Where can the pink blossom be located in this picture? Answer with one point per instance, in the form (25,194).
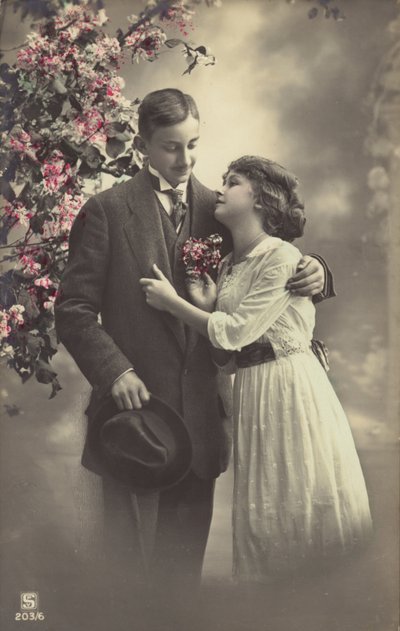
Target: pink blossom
(68,209)
(201,255)
(16,316)
(180,15)
(49,304)
(5,329)
(18,211)
(6,350)
(114,89)
(50,63)
(97,83)
(146,41)
(107,49)
(81,18)
(29,264)
(63,216)
(89,124)
(21,142)
(56,172)
(43,56)
(44,281)
(40,56)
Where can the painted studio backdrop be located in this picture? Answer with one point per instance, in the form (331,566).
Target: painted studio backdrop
(317,91)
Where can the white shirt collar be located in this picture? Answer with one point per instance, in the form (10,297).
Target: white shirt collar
(166,186)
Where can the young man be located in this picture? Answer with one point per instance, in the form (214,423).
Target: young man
(115,240)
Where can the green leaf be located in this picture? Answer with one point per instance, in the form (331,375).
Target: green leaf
(31,308)
(55,106)
(171,43)
(36,223)
(6,190)
(112,129)
(86,171)
(55,387)
(114,147)
(121,163)
(125,136)
(53,339)
(93,157)
(43,372)
(5,227)
(32,110)
(70,149)
(75,103)
(8,74)
(24,194)
(89,37)
(7,293)
(25,375)
(34,344)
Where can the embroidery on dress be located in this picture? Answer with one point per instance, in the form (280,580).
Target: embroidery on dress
(283,340)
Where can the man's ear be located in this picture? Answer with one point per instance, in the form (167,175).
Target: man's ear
(140,145)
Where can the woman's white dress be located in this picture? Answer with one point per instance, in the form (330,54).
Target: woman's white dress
(299,491)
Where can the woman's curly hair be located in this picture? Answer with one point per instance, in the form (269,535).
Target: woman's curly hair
(276,198)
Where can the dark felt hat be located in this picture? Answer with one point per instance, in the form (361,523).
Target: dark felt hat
(148,449)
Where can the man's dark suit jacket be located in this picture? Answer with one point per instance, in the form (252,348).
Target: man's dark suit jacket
(116,238)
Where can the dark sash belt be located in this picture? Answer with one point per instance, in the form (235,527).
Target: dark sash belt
(254,354)
(260,353)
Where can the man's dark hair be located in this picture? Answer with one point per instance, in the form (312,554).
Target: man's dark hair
(162,108)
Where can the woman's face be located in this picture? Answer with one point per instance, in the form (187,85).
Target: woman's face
(236,199)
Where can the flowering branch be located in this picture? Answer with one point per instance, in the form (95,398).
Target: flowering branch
(64,122)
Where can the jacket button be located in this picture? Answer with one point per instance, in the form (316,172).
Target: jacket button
(185,371)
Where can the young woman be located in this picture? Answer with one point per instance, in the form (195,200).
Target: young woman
(299,491)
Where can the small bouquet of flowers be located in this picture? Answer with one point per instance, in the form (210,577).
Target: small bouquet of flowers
(199,256)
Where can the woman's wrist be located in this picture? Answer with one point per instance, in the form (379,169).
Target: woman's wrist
(189,314)
(175,305)
(210,308)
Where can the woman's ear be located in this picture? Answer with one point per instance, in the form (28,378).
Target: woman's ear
(140,145)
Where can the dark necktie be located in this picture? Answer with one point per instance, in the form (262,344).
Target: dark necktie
(178,206)
(175,194)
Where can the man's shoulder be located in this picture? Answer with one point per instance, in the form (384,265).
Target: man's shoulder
(116,191)
(202,199)
(118,195)
(199,187)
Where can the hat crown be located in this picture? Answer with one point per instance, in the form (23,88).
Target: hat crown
(142,438)
(147,449)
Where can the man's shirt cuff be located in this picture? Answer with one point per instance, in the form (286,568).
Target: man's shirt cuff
(122,374)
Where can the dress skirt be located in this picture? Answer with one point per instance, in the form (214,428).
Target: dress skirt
(299,491)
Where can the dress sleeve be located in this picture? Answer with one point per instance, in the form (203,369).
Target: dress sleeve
(265,302)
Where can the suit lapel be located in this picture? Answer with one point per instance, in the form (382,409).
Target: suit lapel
(145,234)
(202,202)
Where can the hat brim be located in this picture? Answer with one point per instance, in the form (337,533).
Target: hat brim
(146,481)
